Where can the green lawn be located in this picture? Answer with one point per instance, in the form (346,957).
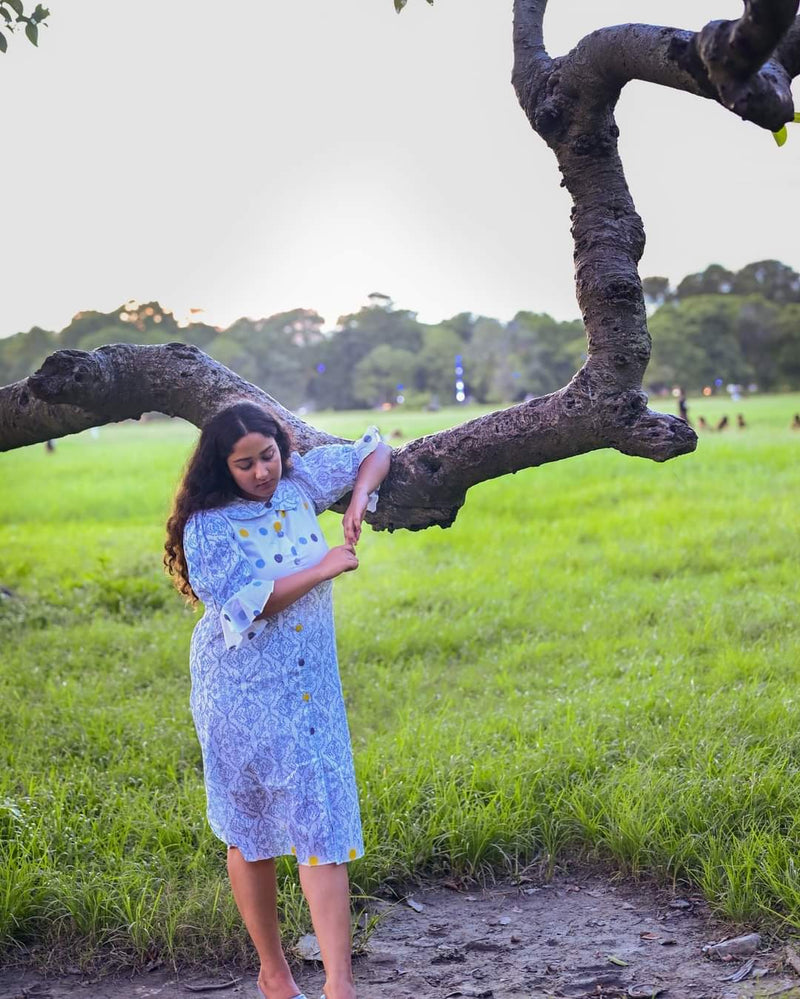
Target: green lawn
(599,658)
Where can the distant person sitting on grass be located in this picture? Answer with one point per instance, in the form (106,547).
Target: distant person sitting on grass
(795,424)
(266,696)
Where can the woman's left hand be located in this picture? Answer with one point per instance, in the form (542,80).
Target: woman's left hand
(354,516)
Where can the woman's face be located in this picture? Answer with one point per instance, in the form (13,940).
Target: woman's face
(255,464)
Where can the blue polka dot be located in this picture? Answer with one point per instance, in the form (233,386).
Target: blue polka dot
(314,537)
(294,550)
(226,617)
(280,534)
(303,541)
(279,558)
(263,530)
(297,561)
(251,634)
(260,563)
(367,438)
(256,582)
(269,507)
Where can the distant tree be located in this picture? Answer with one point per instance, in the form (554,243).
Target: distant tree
(378,377)
(545,352)
(358,334)
(714,280)
(435,363)
(656,290)
(756,329)
(787,347)
(770,278)
(25,352)
(697,341)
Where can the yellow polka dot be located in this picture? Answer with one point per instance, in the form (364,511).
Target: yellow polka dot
(294,851)
(352,854)
(278,525)
(244,533)
(283,513)
(306,697)
(298,627)
(313,861)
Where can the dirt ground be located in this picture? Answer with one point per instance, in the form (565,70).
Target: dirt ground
(579,935)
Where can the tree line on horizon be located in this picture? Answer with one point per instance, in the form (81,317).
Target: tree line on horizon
(742,327)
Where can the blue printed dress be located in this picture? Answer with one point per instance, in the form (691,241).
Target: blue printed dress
(266,696)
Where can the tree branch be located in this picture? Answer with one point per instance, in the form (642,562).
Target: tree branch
(570,103)
(429,477)
(788,50)
(530,55)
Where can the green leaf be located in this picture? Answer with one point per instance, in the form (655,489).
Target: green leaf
(16,6)
(399,4)
(3,42)
(780,136)
(40,14)
(5,14)
(797,117)
(32,32)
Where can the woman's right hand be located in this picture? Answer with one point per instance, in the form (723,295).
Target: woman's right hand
(337,560)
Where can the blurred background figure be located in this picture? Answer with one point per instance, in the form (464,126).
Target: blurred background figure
(701,423)
(683,408)
(740,421)
(49,446)
(795,424)
(723,423)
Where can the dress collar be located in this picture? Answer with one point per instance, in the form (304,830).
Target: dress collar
(284,498)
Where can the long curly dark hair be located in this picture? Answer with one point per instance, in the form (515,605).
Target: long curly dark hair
(207,481)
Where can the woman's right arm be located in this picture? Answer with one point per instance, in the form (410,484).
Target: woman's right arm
(290,588)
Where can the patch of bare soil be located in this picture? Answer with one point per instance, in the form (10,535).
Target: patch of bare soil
(576,936)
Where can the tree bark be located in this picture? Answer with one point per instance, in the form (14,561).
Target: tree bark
(746,66)
(429,477)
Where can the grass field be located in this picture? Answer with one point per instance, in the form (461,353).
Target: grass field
(599,658)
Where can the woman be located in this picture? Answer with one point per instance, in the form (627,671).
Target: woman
(266,697)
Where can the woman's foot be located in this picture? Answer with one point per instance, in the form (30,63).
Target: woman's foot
(278,987)
(343,989)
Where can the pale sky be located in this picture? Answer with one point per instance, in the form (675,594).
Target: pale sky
(251,156)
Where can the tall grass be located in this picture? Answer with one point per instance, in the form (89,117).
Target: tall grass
(599,658)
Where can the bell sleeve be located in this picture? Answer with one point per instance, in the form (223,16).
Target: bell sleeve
(220,573)
(328,472)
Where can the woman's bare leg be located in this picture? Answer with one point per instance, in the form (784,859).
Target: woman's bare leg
(255,890)
(327,892)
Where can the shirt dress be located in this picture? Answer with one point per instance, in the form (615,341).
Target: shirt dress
(266,695)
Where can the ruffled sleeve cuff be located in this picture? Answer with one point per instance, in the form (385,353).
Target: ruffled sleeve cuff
(238,614)
(363,448)
(328,472)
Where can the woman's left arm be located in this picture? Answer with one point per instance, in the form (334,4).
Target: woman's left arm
(372,471)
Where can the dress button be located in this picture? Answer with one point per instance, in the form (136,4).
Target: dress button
(301,662)
(312,730)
